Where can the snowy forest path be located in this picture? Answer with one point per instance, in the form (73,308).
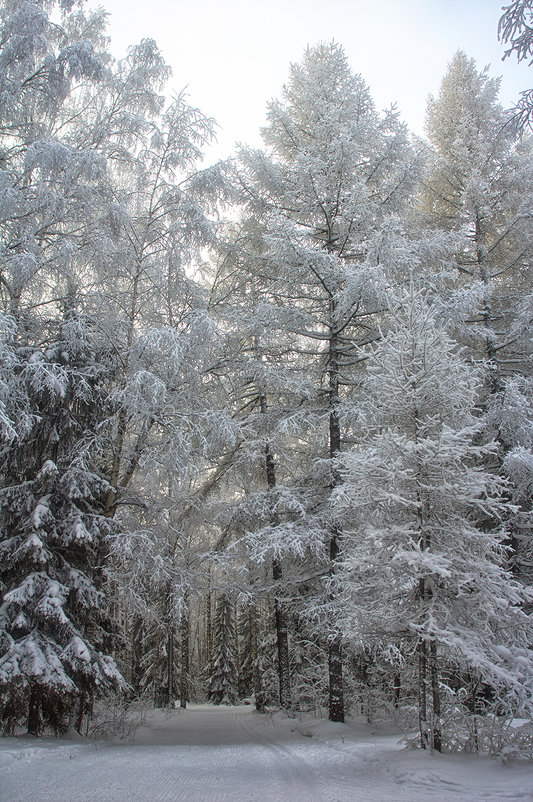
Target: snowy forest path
(233,754)
(298,772)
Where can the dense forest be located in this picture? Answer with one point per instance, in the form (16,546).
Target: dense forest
(266,425)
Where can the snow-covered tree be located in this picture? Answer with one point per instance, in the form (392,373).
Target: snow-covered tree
(103,208)
(479,186)
(223,680)
(54,635)
(423,574)
(333,171)
(54,629)
(151,309)
(266,393)
(53,190)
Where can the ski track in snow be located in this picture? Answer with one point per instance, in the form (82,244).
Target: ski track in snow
(233,754)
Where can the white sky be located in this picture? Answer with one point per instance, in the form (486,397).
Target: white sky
(234,55)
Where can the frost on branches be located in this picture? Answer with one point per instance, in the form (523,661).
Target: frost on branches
(479,185)
(423,581)
(333,171)
(515,29)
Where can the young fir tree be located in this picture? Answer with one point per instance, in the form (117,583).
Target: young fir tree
(223,680)
(423,563)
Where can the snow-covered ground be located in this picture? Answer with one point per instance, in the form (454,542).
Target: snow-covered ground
(211,753)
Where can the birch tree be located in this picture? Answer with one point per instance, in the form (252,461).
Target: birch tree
(106,335)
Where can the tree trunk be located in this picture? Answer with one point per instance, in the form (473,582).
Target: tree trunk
(487,313)
(282,636)
(170,666)
(397,689)
(282,629)
(184,676)
(138,636)
(209,619)
(170,678)
(80,712)
(336,683)
(436,726)
(423,725)
(256,677)
(34,712)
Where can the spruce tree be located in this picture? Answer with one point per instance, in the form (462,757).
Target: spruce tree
(223,680)
(55,632)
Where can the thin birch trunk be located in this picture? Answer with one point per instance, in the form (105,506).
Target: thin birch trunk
(170,650)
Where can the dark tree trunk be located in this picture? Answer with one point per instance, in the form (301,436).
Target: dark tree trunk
(80,714)
(171,669)
(336,683)
(209,620)
(496,384)
(170,666)
(397,689)
(34,712)
(282,635)
(423,725)
(282,629)
(138,637)
(436,728)
(184,675)
(256,676)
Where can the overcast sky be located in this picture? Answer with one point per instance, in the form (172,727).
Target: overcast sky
(234,55)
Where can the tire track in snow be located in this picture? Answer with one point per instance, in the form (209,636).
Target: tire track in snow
(299,775)
(234,755)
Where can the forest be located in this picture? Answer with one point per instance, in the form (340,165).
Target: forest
(266,425)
